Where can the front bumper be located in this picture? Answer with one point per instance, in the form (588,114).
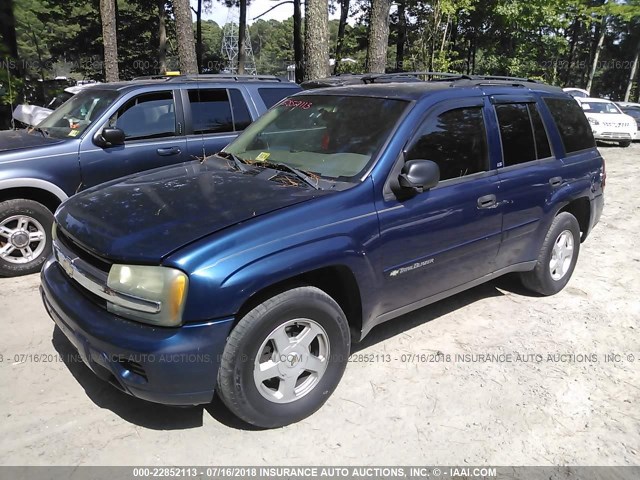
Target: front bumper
(173,366)
(615,135)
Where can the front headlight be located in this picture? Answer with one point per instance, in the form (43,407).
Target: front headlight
(593,121)
(154,295)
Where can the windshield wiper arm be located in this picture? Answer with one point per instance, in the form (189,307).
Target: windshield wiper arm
(298,173)
(40,130)
(237,161)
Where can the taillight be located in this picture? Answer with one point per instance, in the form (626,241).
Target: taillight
(603,175)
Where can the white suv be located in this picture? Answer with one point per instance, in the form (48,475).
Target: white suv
(608,122)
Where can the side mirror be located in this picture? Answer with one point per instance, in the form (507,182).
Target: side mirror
(418,176)
(109,137)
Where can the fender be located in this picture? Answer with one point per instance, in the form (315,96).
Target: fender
(560,199)
(34,183)
(240,285)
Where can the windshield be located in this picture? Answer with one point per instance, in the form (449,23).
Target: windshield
(600,107)
(74,116)
(330,136)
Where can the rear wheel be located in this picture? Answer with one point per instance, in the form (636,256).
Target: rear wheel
(624,144)
(557,258)
(25,237)
(284,358)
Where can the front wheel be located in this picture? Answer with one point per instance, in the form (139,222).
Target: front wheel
(624,144)
(557,258)
(284,358)
(25,237)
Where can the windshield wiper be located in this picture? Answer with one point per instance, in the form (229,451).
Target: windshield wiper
(42,131)
(237,161)
(298,173)
(242,166)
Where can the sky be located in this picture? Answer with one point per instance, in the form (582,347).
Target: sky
(256,7)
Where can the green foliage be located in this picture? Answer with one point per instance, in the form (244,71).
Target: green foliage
(551,40)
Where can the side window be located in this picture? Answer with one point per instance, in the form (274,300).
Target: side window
(522,133)
(152,115)
(210,111)
(456,140)
(518,145)
(271,96)
(241,116)
(572,124)
(542,141)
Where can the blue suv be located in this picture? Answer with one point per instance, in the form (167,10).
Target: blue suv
(251,273)
(113,130)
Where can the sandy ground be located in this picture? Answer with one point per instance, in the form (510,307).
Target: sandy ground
(553,398)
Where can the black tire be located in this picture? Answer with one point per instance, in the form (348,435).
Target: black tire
(540,279)
(236,385)
(625,144)
(43,216)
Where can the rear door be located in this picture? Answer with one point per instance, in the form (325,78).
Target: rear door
(528,172)
(449,235)
(152,123)
(214,117)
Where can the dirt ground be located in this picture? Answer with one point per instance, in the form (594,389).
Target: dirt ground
(564,388)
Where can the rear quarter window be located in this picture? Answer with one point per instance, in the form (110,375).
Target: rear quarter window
(572,124)
(271,96)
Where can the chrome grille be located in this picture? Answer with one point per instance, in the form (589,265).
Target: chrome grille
(94,280)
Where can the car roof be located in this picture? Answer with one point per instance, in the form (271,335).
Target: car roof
(628,104)
(411,91)
(575,89)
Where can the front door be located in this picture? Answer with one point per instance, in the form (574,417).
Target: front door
(153,138)
(449,235)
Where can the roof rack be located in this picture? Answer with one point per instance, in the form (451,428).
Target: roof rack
(450,76)
(428,76)
(213,76)
(504,78)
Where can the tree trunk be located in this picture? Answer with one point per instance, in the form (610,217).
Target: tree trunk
(109,39)
(242,34)
(474,51)
(316,39)
(378,36)
(162,38)
(40,60)
(199,36)
(632,74)
(638,88)
(298,42)
(596,54)
(8,28)
(402,35)
(184,32)
(344,13)
(445,33)
(575,30)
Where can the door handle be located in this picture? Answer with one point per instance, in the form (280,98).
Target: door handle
(555,181)
(168,151)
(488,201)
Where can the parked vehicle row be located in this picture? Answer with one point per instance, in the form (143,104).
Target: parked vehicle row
(251,272)
(108,131)
(609,121)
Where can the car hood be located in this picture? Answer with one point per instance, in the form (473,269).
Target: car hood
(20,139)
(143,218)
